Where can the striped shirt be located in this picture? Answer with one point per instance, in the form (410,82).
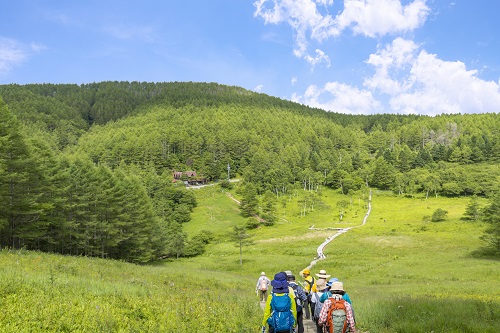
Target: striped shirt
(326,306)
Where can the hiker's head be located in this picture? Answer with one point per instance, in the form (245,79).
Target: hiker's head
(322,274)
(321,284)
(332,280)
(337,288)
(279,283)
(291,278)
(262,274)
(306,272)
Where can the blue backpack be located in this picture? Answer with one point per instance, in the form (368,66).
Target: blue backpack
(281,318)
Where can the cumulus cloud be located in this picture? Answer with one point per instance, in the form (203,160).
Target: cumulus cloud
(13,53)
(374,18)
(339,97)
(258,88)
(310,18)
(421,83)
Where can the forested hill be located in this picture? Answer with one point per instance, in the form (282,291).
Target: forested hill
(74,108)
(87,169)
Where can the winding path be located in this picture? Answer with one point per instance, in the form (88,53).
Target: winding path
(340,231)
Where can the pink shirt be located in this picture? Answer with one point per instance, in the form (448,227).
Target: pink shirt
(324,312)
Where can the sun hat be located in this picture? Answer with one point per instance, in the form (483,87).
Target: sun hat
(279,283)
(262,274)
(288,273)
(322,274)
(337,286)
(306,271)
(321,284)
(332,280)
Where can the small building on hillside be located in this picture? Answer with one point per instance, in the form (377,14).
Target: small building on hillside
(189,177)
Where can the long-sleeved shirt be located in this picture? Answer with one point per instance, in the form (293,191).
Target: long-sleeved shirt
(265,278)
(323,316)
(268,310)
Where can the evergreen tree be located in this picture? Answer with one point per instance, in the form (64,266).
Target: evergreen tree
(20,186)
(491,215)
(472,210)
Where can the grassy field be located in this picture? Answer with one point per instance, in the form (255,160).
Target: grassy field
(402,273)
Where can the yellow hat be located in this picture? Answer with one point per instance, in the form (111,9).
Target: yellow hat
(306,271)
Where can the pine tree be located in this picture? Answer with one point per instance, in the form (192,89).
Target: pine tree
(491,215)
(20,192)
(472,210)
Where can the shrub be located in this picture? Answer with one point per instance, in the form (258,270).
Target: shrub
(439,215)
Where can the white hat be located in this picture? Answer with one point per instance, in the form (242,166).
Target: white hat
(262,274)
(322,274)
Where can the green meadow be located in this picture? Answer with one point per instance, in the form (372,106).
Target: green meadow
(402,272)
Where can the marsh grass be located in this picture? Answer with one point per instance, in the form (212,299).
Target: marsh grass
(403,274)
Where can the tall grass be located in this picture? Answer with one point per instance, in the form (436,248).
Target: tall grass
(402,273)
(49,293)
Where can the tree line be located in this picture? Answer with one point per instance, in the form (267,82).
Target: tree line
(87,169)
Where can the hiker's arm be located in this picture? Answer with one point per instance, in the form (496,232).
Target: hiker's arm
(324,312)
(350,317)
(294,309)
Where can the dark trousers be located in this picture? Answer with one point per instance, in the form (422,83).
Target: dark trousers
(271,330)
(306,308)
(300,322)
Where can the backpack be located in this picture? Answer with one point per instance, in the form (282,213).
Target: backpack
(298,302)
(318,305)
(263,285)
(281,318)
(337,316)
(310,283)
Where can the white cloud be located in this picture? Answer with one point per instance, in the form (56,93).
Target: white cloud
(258,88)
(13,53)
(374,18)
(421,83)
(294,80)
(339,97)
(367,17)
(319,58)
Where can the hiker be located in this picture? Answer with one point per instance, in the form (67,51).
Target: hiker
(262,286)
(280,312)
(300,300)
(318,305)
(308,283)
(336,314)
(320,276)
(328,294)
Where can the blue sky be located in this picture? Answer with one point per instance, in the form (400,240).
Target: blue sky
(353,56)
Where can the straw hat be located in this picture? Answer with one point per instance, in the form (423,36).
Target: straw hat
(262,274)
(337,286)
(322,274)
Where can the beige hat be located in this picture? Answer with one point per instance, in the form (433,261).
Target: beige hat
(337,286)
(322,274)
(262,274)
(321,284)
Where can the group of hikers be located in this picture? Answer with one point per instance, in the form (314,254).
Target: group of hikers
(288,303)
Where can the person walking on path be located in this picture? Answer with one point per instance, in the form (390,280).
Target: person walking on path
(308,284)
(315,299)
(345,296)
(300,300)
(280,312)
(336,314)
(262,286)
